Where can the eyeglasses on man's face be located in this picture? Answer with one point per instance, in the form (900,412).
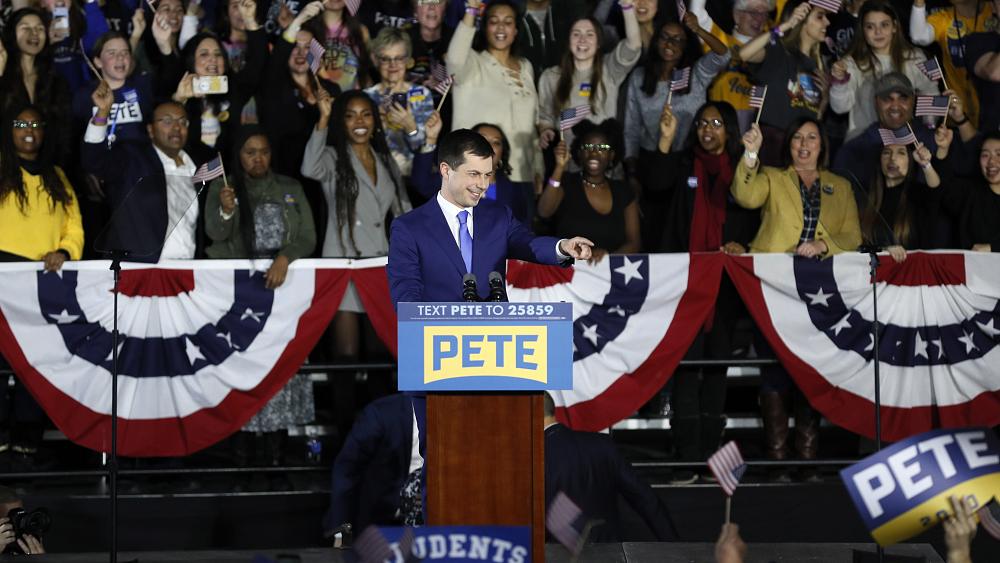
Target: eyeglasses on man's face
(170,121)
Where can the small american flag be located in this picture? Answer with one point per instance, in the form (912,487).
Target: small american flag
(931,105)
(559,519)
(757,95)
(728,467)
(989,517)
(209,171)
(832,6)
(352,6)
(680,79)
(442,86)
(931,69)
(372,547)
(681,9)
(439,71)
(406,545)
(315,56)
(901,136)
(571,116)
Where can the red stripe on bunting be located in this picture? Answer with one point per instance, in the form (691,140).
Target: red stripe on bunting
(155,282)
(373,288)
(527,275)
(922,268)
(172,437)
(632,390)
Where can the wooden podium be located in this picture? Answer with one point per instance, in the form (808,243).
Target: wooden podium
(483,367)
(485,462)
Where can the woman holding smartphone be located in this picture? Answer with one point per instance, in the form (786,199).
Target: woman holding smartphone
(215,96)
(405,107)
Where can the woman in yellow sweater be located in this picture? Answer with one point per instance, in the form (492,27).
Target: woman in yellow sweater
(39,214)
(39,220)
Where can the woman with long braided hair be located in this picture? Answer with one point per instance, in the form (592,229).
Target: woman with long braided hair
(348,154)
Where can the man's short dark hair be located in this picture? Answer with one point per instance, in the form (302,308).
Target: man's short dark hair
(549,408)
(455,145)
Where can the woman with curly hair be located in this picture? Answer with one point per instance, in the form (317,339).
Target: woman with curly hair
(590,202)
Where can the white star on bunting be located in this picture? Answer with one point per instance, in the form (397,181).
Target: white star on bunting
(819,298)
(921,346)
(64,317)
(250,313)
(988,328)
(192,351)
(841,325)
(630,270)
(967,340)
(590,333)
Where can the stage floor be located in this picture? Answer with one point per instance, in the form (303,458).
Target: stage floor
(634,552)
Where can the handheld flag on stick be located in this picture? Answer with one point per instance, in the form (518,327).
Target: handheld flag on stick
(932,70)
(901,136)
(679,80)
(936,106)
(571,116)
(443,87)
(316,53)
(210,171)
(757,95)
(353,6)
(559,519)
(728,467)
(832,6)
(371,546)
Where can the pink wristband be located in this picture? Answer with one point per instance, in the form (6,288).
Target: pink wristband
(627,7)
(99,120)
(471,10)
(554,183)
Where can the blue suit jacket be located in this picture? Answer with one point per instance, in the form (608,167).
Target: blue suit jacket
(371,467)
(425,263)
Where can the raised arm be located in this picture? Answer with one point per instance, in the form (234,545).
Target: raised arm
(313,163)
(459,57)
(750,189)
(921,32)
(753,51)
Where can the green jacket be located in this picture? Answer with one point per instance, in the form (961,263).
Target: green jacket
(300,231)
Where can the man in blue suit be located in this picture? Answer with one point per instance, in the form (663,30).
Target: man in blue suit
(459,231)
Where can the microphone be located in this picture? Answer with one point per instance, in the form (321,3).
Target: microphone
(469,291)
(498,292)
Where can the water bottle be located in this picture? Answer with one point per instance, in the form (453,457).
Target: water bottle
(314,449)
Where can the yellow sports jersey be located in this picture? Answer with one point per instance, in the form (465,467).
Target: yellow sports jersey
(950,31)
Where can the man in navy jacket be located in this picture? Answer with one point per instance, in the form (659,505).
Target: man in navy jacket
(587,468)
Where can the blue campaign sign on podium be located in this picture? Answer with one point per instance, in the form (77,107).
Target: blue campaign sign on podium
(485,346)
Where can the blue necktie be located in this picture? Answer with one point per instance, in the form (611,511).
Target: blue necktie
(465,239)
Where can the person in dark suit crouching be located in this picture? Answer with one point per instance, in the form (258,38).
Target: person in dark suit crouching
(587,468)
(375,475)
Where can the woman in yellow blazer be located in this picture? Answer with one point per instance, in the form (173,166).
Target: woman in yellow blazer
(805,209)
(811,212)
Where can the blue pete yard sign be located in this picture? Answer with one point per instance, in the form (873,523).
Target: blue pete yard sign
(485,346)
(903,490)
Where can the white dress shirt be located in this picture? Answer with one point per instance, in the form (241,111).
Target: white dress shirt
(451,211)
(182,208)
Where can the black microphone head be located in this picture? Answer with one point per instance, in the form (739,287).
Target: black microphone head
(469,278)
(496,279)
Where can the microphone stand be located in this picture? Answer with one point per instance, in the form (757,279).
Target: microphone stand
(116,269)
(872,251)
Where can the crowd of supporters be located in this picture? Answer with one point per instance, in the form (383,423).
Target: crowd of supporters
(644,126)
